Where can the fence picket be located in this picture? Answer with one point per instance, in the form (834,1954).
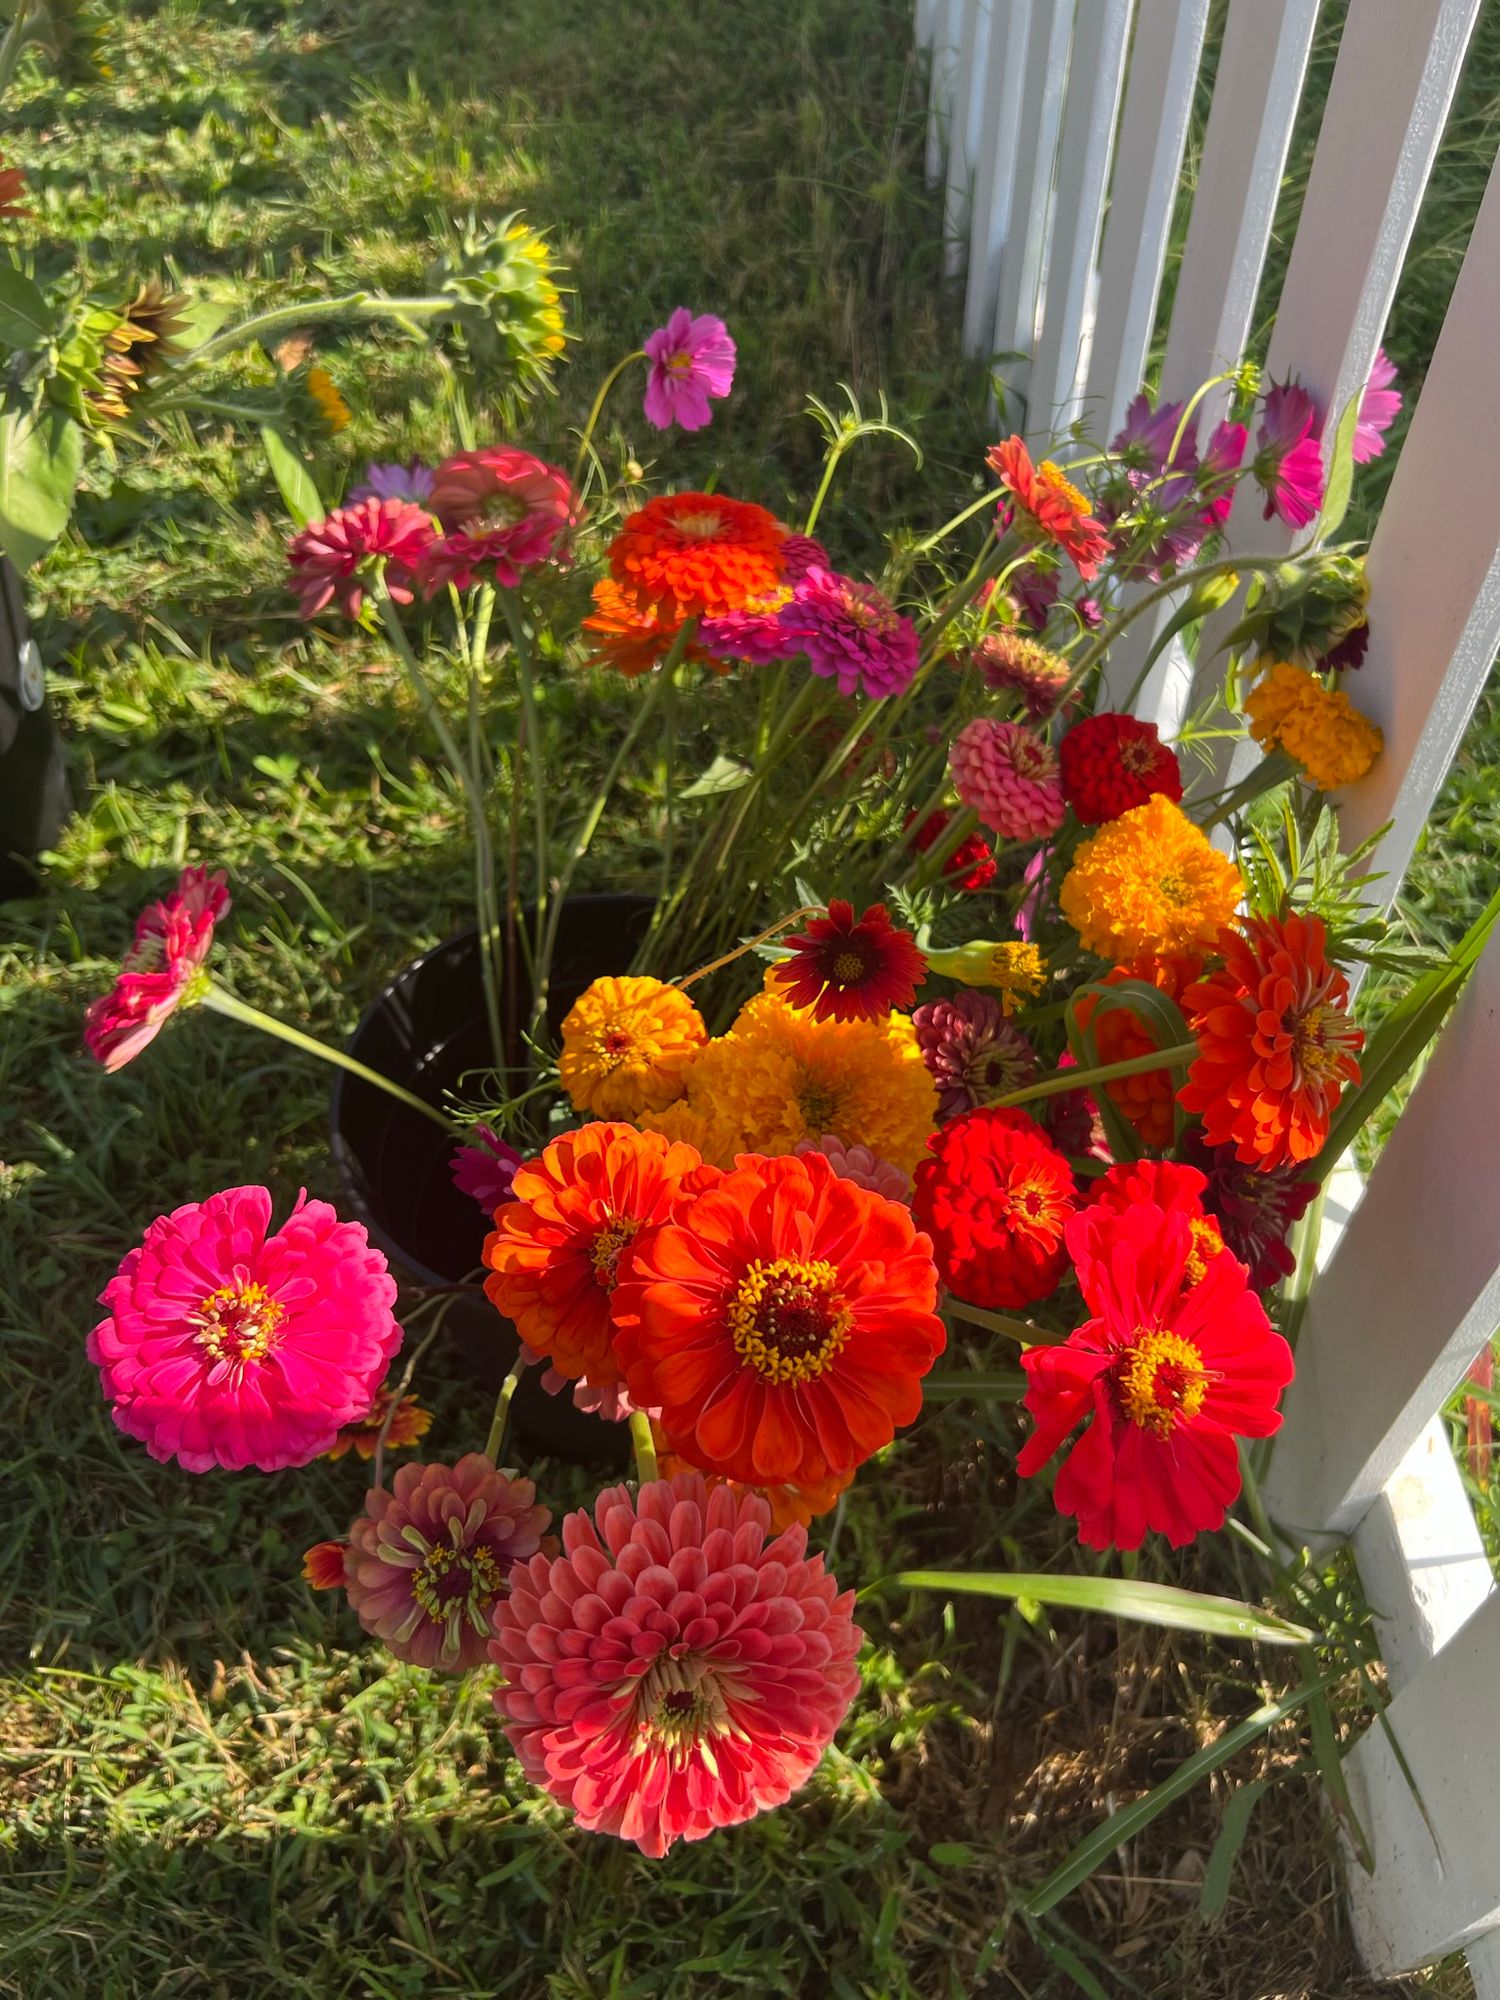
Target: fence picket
(963,142)
(947,22)
(994,174)
(1036,151)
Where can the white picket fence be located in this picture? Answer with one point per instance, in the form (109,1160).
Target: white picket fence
(1058,130)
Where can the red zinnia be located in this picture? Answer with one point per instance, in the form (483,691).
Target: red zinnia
(333,561)
(1275,1042)
(158,974)
(502,510)
(971,865)
(995,1197)
(781,1322)
(1047,507)
(1176,1363)
(848,971)
(693,555)
(1113,762)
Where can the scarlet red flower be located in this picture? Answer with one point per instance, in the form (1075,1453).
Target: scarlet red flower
(502,510)
(12,186)
(782,1322)
(627,634)
(157,975)
(1113,762)
(687,555)
(1176,1190)
(334,561)
(848,971)
(971,865)
(995,1197)
(1173,1366)
(1275,1042)
(323,1565)
(1046,507)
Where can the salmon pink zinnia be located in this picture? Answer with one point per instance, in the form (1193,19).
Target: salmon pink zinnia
(502,511)
(172,941)
(692,358)
(334,561)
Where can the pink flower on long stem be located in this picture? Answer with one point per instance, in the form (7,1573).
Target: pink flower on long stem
(1378,409)
(502,511)
(1288,462)
(334,561)
(674,1670)
(229,1344)
(172,941)
(692,358)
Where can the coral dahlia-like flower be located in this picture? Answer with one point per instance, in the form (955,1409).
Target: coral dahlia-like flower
(1276,1045)
(502,511)
(1149,884)
(1288,462)
(1045,507)
(1169,1370)
(1112,762)
(555,1253)
(843,970)
(1319,727)
(485,1168)
(973,1053)
(995,1196)
(674,1670)
(629,636)
(429,1559)
(1009,777)
(160,971)
(971,865)
(228,1343)
(852,634)
(1010,661)
(333,561)
(626,1045)
(692,358)
(696,555)
(860,1165)
(409,1423)
(1379,407)
(389,481)
(782,1322)
(1254,1206)
(1147,1101)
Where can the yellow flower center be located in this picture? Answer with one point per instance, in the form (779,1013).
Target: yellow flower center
(848,968)
(237,1322)
(608,1246)
(452,1585)
(1161,1381)
(1051,476)
(1319,1037)
(1137,756)
(679,1704)
(680,364)
(1206,1245)
(788,1319)
(700,527)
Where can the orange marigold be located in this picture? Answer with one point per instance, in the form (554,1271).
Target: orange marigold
(1275,1042)
(1046,507)
(1149,884)
(626,1045)
(1148,1101)
(1317,726)
(688,555)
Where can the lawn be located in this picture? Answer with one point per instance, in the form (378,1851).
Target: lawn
(211,1786)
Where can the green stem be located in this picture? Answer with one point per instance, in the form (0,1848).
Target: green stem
(501,1415)
(941,534)
(10,48)
(1082,1079)
(541,971)
(993,1322)
(638,354)
(645,1446)
(1184,579)
(836,451)
(283,319)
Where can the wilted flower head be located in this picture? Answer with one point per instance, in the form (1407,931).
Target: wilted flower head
(692,358)
(157,974)
(1009,660)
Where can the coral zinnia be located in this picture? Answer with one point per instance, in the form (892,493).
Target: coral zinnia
(1172,1366)
(971,864)
(1149,884)
(1254,1206)
(691,359)
(1146,1101)
(1113,762)
(972,1051)
(1046,507)
(848,971)
(409,1422)
(427,1561)
(626,1045)
(852,634)
(782,1322)
(1275,1042)
(555,1251)
(694,555)
(1010,661)
(674,1670)
(1317,726)
(159,972)
(502,511)
(1009,777)
(333,561)
(228,1345)
(994,1196)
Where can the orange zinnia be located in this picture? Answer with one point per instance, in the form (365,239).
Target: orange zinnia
(1045,507)
(556,1248)
(791,1506)
(782,1323)
(693,555)
(625,633)
(1275,1042)
(1147,1101)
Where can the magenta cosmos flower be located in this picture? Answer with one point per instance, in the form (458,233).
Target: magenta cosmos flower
(1009,777)
(674,1670)
(502,511)
(851,634)
(392,481)
(334,561)
(1221,461)
(1378,409)
(427,1562)
(1288,462)
(228,1344)
(171,945)
(692,358)
(485,1167)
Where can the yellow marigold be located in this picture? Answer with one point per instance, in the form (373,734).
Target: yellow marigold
(1148,884)
(1318,726)
(626,1045)
(1016,970)
(324,392)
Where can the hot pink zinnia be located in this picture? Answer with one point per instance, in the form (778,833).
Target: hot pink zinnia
(1288,462)
(1009,777)
(335,559)
(799,554)
(172,942)
(427,1562)
(1378,409)
(674,1670)
(860,1165)
(502,511)
(851,634)
(692,358)
(228,1346)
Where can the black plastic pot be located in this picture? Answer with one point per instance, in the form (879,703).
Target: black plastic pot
(424,1032)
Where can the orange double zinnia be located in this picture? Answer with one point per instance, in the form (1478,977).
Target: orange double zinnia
(693,555)
(1045,506)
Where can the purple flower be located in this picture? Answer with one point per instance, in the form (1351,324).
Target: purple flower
(1254,1207)
(1378,409)
(1288,462)
(691,360)
(972,1053)
(851,634)
(1033,591)
(1350,651)
(412,481)
(1222,458)
(485,1168)
(1144,445)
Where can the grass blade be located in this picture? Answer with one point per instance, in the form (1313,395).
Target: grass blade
(1147,1603)
(1216,1876)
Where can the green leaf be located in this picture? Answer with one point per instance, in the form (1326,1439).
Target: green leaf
(951,1854)
(289,469)
(1148,1603)
(1340,474)
(724,774)
(1216,1876)
(26,319)
(41,457)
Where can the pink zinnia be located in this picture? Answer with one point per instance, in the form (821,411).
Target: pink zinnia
(485,1167)
(1009,777)
(1288,462)
(692,358)
(799,554)
(334,560)
(1378,409)
(674,1670)
(1222,459)
(860,1165)
(229,1346)
(851,634)
(502,511)
(172,942)
(755,634)
(427,1562)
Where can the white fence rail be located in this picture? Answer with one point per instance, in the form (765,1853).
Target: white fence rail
(1059,128)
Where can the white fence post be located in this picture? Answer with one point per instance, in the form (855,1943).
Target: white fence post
(1022,269)
(963,148)
(946,26)
(994,174)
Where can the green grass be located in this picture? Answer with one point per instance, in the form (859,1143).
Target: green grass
(210,1785)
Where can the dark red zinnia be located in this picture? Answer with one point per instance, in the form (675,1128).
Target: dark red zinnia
(971,865)
(848,971)
(1111,763)
(1255,1207)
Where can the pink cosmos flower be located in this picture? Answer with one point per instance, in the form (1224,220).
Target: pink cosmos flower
(851,634)
(427,1562)
(860,1165)
(674,1670)
(1288,463)
(333,561)
(691,360)
(391,481)
(1009,777)
(1378,409)
(228,1345)
(1223,457)
(171,945)
(502,511)
(485,1168)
